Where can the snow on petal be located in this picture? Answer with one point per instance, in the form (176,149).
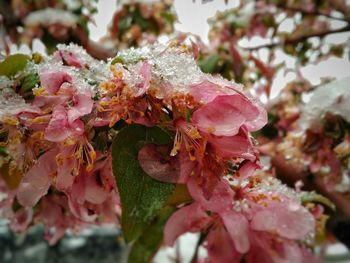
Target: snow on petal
(37,181)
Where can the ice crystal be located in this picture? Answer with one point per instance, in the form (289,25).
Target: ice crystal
(172,66)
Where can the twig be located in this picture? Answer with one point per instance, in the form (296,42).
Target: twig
(199,242)
(315,12)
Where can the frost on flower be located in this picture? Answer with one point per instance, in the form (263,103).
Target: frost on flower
(63,152)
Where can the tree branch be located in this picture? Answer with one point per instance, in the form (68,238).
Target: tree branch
(295,40)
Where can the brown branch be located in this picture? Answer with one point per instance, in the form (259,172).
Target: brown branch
(94,49)
(295,40)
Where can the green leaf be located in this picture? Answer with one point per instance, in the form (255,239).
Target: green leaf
(29,82)
(208,64)
(141,196)
(312,197)
(13,64)
(147,245)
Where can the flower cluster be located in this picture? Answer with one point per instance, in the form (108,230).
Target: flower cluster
(318,137)
(57,154)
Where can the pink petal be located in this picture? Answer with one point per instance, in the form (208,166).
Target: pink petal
(220,199)
(247,170)
(37,181)
(49,100)
(76,200)
(52,80)
(190,218)
(94,193)
(64,179)
(226,114)
(233,146)
(238,229)
(288,218)
(59,128)
(220,247)
(82,105)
